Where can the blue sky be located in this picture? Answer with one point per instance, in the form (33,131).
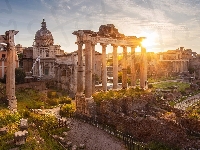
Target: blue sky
(170,23)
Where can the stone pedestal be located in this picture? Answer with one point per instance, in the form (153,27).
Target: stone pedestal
(80,103)
(20,137)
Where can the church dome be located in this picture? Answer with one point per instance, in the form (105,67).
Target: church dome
(43,37)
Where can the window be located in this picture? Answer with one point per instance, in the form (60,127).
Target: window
(47,53)
(3,56)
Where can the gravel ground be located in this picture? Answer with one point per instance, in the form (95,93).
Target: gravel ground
(190,101)
(93,138)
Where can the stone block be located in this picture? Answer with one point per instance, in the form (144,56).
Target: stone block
(20,137)
(65,133)
(3,130)
(82,146)
(74,147)
(23,124)
(69,144)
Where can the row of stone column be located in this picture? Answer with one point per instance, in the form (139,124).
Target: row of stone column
(180,66)
(90,67)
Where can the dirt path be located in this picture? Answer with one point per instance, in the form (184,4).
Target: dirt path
(190,101)
(94,138)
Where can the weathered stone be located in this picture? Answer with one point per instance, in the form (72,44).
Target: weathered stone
(65,133)
(82,146)
(69,144)
(74,147)
(55,136)
(23,124)
(3,130)
(20,137)
(61,139)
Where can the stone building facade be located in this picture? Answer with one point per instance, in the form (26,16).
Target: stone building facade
(45,53)
(174,61)
(46,61)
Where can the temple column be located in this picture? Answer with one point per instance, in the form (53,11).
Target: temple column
(11,79)
(88,69)
(115,67)
(93,68)
(80,69)
(133,73)
(10,76)
(124,69)
(143,69)
(104,69)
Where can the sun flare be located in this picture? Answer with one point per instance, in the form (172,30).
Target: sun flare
(150,40)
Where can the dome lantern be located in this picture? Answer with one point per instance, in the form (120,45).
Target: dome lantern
(43,37)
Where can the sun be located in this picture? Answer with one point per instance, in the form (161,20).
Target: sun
(150,40)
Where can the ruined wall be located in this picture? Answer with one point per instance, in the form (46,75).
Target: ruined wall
(40,85)
(140,117)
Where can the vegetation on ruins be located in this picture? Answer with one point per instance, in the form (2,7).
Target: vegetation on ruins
(41,126)
(19,76)
(110,95)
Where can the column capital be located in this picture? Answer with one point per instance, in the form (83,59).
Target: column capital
(114,45)
(79,43)
(103,44)
(94,43)
(123,46)
(133,46)
(87,41)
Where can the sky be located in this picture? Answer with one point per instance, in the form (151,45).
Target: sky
(168,24)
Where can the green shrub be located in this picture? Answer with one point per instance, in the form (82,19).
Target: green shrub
(66,110)
(52,94)
(53,101)
(65,100)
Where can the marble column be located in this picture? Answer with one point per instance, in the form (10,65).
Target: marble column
(93,68)
(88,69)
(133,72)
(10,79)
(104,69)
(143,69)
(124,68)
(11,65)
(80,69)
(115,67)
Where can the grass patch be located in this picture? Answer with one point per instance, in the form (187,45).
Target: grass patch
(166,85)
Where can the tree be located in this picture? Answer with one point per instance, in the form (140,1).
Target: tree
(19,76)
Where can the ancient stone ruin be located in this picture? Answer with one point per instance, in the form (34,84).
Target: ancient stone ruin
(106,35)
(8,41)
